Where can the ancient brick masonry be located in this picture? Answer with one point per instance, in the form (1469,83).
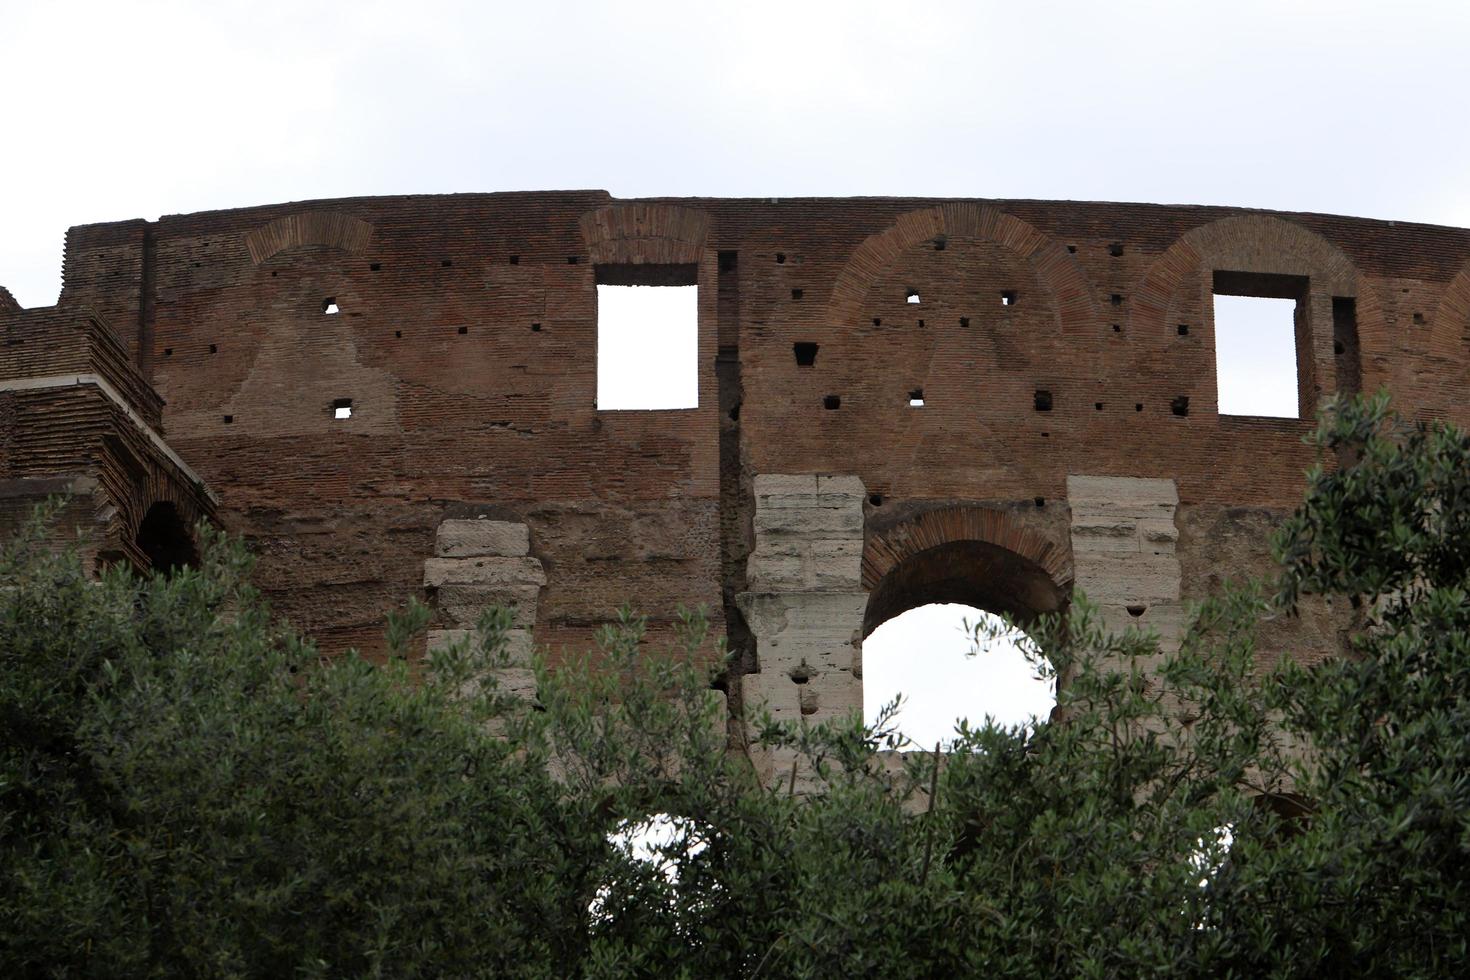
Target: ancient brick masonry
(899,402)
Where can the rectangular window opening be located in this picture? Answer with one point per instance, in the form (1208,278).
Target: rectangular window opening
(647,337)
(916,398)
(1257,320)
(342,408)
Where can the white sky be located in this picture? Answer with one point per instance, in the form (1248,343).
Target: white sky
(647,347)
(122,109)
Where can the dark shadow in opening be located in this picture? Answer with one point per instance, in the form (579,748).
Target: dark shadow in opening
(165,540)
(971,573)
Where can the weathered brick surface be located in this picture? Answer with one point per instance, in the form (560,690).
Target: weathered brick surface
(466,339)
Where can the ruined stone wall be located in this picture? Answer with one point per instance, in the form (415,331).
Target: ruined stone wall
(1063,354)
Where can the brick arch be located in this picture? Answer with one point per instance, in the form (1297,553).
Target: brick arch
(1451,317)
(1242,243)
(977,555)
(330,228)
(1055,266)
(645,233)
(145,484)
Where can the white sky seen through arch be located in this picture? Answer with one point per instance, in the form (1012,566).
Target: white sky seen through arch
(922,654)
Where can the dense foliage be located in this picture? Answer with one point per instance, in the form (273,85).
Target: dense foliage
(187,789)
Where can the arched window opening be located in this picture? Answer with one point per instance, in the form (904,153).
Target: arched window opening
(924,654)
(917,644)
(165,540)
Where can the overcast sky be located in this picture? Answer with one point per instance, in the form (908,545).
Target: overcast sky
(116,110)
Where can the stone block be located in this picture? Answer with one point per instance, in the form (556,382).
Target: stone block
(518,643)
(520,681)
(1168,619)
(1127,579)
(779,484)
(770,613)
(1158,533)
(828,522)
(483,571)
(1093,494)
(775,572)
(845,485)
(773,692)
(462,604)
(835,565)
(782,492)
(830,694)
(480,538)
(1104,533)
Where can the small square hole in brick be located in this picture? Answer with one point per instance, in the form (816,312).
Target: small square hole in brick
(1419,320)
(831,402)
(1116,299)
(168,352)
(398,334)
(796,294)
(1183,329)
(916,398)
(329,306)
(921,323)
(877,321)
(515,260)
(446,263)
(535,328)
(1039,501)
(911,297)
(940,244)
(342,408)
(1008,298)
(571,260)
(806,353)
(780,258)
(876,499)
(214,348)
(964,321)
(1138,406)
(1116,250)
(1041,401)
(1180,406)
(229,420)
(1098,406)
(1072,249)
(1117,328)
(375,267)
(464,330)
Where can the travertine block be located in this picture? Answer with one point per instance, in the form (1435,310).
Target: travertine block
(1118,494)
(831,612)
(775,572)
(835,564)
(462,604)
(826,522)
(518,644)
(1168,619)
(1124,579)
(479,538)
(483,571)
